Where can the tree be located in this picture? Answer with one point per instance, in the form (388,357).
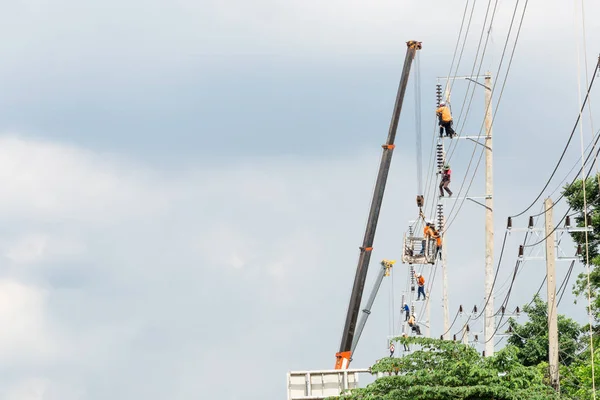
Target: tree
(446,370)
(575,197)
(531,338)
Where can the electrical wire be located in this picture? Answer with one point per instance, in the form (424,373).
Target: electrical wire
(585,221)
(566,146)
(498,103)
(565,281)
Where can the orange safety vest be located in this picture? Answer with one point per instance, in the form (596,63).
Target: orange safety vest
(421,281)
(427,231)
(444,113)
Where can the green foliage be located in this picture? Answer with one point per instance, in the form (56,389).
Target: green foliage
(576,380)
(445,370)
(531,338)
(574,195)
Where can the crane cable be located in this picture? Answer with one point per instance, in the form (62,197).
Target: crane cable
(418,123)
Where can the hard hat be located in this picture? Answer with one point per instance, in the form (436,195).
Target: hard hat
(417,274)
(429,222)
(447,166)
(442,104)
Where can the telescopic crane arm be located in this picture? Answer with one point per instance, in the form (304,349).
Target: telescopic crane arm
(343,357)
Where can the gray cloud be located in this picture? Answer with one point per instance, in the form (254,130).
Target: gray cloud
(190,184)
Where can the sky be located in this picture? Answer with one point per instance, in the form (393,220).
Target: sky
(185,184)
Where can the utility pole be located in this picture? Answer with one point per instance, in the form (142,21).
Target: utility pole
(551,288)
(428,312)
(489,222)
(445,282)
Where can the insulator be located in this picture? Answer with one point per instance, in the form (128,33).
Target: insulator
(520,250)
(510,328)
(568,222)
(460,309)
(474,309)
(476,338)
(454,337)
(483,353)
(468,329)
(530,222)
(441,337)
(502,309)
(518,310)
(578,249)
(509,223)
(438,94)
(440,155)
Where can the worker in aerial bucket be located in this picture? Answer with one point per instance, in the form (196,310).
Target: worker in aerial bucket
(428,233)
(445,181)
(421,284)
(445,119)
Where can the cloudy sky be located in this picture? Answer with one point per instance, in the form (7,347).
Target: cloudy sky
(185,184)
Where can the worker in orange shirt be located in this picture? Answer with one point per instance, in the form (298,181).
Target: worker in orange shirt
(438,240)
(445,119)
(413,324)
(428,233)
(421,284)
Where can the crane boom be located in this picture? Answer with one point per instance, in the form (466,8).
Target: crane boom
(343,357)
(384,271)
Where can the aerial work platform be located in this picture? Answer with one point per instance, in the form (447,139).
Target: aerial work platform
(418,250)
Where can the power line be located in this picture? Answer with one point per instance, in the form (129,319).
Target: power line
(499,100)
(566,146)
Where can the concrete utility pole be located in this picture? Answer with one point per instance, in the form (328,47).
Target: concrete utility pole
(428,312)
(551,288)
(489,222)
(445,282)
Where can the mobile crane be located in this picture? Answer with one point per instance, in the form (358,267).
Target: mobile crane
(344,356)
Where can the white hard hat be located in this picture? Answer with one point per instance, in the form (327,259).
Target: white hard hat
(442,104)
(417,274)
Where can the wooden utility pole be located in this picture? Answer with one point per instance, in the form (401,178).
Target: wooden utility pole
(551,288)
(489,223)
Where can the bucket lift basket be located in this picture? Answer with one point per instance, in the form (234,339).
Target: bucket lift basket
(418,250)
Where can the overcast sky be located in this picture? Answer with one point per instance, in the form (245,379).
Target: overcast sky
(185,184)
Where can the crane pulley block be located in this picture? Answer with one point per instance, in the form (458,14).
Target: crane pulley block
(420,201)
